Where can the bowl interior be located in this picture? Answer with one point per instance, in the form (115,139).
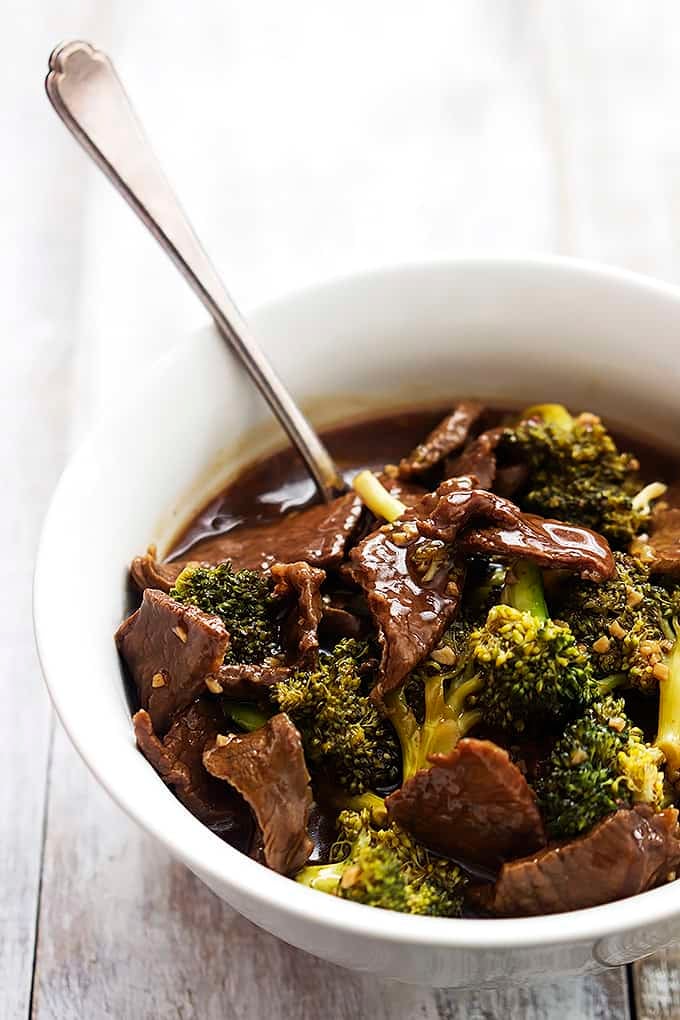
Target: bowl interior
(509,330)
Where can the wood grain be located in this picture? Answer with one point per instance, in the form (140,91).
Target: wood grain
(657,986)
(37,315)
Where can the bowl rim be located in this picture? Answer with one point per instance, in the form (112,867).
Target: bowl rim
(204,852)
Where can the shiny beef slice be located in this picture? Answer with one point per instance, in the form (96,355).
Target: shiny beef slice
(170,649)
(318,535)
(473,804)
(449,435)
(178,759)
(626,853)
(268,769)
(413,590)
(551,545)
(443,515)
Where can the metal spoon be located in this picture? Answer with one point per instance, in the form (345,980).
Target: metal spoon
(85,90)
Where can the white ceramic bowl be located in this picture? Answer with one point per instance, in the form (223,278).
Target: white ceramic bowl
(523,329)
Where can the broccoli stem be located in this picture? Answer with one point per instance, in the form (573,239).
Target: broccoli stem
(246,715)
(524,590)
(446,721)
(323,877)
(376,497)
(668,736)
(367,801)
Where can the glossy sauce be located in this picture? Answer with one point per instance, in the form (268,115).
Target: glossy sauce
(279,483)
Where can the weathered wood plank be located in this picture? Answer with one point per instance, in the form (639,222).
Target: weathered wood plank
(656,982)
(37,316)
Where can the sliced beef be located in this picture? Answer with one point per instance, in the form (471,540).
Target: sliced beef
(170,649)
(474,805)
(146,572)
(318,535)
(478,459)
(337,623)
(268,769)
(660,549)
(448,436)
(549,544)
(248,682)
(626,853)
(443,515)
(178,759)
(413,591)
(511,479)
(300,584)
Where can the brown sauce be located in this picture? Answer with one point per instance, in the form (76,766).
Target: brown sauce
(279,483)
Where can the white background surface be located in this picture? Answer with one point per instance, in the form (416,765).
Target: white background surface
(306,140)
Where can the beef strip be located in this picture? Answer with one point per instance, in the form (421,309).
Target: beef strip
(549,544)
(170,649)
(478,458)
(146,572)
(319,535)
(474,805)
(178,759)
(660,549)
(448,436)
(268,769)
(444,514)
(411,607)
(511,479)
(249,682)
(626,853)
(337,623)
(301,584)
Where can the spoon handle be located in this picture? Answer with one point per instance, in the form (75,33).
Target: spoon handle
(85,91)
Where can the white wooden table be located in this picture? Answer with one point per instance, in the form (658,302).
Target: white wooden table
(307,139)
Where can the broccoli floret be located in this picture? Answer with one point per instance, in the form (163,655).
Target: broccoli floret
(578,475)
(243,599)
(530,669)
(599,764)
(623,623)
(518,668)
(340,726)
(431,713)
(387,868)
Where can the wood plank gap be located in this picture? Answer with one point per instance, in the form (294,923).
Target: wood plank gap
(43,842)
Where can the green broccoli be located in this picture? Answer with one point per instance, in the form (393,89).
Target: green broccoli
(599,764)
(340,726)
(517,669)
(531,668)
(386,868)
(243,599)
(624,623)
(577,474)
